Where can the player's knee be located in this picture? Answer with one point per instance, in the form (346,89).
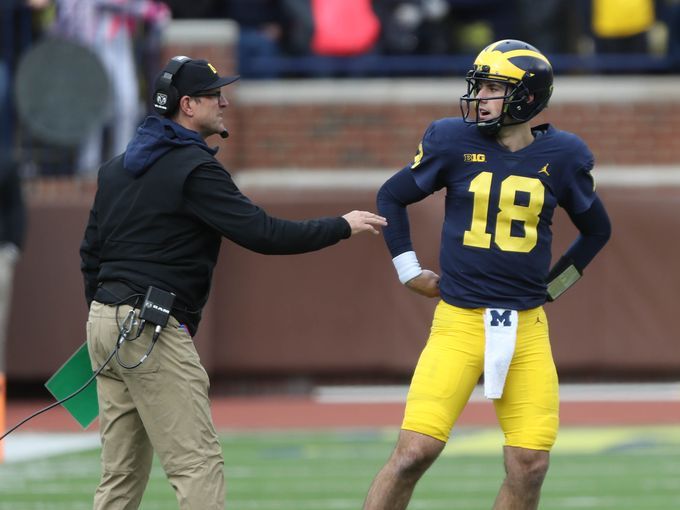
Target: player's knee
(535,472)
(412,461)
(529,467)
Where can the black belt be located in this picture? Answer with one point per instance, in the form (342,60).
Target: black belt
(116,292)
(111,293)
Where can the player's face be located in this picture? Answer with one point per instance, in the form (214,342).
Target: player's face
(210,109)
(490,99)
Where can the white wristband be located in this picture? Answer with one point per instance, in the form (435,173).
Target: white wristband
(407,266)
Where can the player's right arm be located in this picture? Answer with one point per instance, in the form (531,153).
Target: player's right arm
(412,184)
(393,197)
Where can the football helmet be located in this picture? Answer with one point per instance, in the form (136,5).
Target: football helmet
(526,74)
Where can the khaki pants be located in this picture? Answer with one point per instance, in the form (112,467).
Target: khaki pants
(160,406)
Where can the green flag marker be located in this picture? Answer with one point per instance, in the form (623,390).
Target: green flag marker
(68,379)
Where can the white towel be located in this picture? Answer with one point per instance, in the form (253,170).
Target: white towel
(500,327)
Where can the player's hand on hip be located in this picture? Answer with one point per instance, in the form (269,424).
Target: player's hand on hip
(426,284)
(364,221)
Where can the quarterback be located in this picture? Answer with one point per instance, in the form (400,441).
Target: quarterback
(503,181)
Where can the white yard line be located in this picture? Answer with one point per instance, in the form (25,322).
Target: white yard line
(645,392)
(21,446)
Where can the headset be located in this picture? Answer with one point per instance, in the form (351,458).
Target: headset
(166,97)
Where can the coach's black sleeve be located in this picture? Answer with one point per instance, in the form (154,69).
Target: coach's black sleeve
(213,196)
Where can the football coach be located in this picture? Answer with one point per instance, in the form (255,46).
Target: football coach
(148,254)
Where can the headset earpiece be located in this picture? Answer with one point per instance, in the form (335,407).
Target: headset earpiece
(166,97)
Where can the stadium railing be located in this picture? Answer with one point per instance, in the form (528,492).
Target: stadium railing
(441,65)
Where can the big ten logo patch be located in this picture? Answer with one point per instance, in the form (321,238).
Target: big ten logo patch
(474,158)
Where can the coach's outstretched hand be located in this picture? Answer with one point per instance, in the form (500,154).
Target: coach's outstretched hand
(364,221)
(426,284)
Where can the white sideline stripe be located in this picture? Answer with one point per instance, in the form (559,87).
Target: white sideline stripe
(623,392)
(21,446)
(371,179)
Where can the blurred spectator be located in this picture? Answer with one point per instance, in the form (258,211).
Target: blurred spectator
(621,26)
(106,27)
(672,9)
(476,23)
(298,26)
(5,107)
(415,26)
(148,44)
(194,9)
(552,25)
(17,32)
(436,31)
(437,27)
(12,230)
(400,21)
(344,27)
(260,33)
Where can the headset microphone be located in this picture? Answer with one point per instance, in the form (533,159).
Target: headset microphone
(224,134)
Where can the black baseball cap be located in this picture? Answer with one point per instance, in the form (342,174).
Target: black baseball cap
(198,76)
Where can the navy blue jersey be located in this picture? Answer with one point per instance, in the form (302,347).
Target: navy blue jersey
(496,238)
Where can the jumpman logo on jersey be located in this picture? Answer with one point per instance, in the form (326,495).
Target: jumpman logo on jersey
(544,170)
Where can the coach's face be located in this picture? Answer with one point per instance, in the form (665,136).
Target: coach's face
(209,108)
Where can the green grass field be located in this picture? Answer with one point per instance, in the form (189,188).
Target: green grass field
(607,468)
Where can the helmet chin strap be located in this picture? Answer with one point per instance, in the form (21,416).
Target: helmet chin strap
(490,128)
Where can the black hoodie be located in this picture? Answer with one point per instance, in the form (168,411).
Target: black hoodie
(161,210)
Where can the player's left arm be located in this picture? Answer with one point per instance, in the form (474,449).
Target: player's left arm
(594,231)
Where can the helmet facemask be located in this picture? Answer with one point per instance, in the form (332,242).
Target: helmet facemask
(515,98)
(526,75)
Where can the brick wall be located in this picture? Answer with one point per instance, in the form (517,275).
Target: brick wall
(386,136)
